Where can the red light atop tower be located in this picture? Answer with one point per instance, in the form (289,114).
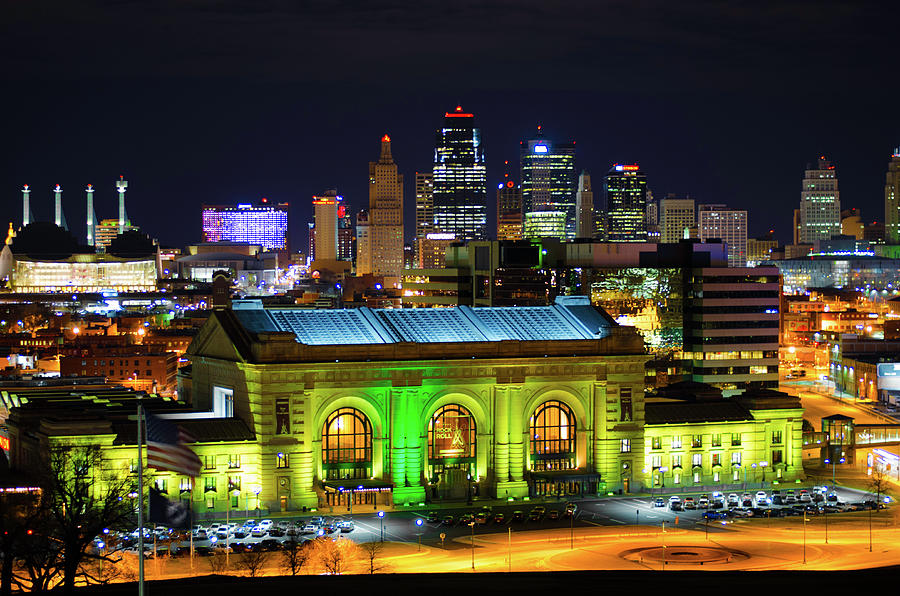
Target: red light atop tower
(385,139)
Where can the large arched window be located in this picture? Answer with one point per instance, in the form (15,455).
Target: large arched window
(552,433)
(451,442)
(347,445)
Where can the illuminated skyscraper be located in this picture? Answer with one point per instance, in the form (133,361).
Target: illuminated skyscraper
(729,226)
(584,208)
(892,200)
(346,242)
(386,214)
(625,187)
(263,224)
(424,203)
(325,216)
(460,179)
(509,210)
(549,181)
(820,204)
(677,220)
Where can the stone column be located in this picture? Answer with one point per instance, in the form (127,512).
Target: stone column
(599,390)
(501,434)
(398,439)
(516,438)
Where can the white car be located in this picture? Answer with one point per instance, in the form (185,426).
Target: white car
(266,523)
(762,499)
(733,500)
(258,531)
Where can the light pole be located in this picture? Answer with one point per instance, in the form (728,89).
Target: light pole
(572,530)
(419,523)
(637,513)
(257,491)
(381,519)
(472,523)
(763,465)
(804,537)
(509,552)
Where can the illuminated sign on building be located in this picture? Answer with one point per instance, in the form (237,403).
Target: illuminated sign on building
(450,436)
(540,148)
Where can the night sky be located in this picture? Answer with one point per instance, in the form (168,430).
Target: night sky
(222,102)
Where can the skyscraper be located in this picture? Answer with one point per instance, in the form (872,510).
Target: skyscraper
(676,219)
(386,214)
(549,181)
(460,178)
(892,200)
(264,224)
(820,204)
(424,203)
(625,187)
(729,226)
(325,216)
(584,207)
(509,210)
(346,242)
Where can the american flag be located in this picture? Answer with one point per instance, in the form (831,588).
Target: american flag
(167,449)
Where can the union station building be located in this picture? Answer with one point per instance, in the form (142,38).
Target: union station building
(299,408)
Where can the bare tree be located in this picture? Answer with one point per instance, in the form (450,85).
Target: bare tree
(217,562)
(336,556)
(253,561)
(878,484)
(82,496)
(372,553)
(295,556)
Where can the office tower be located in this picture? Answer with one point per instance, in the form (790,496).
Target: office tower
(892,200)
(509,211)
(121,186)
(346,241)
(625,187)
(852,223)
(424,203)
(676,219)
(727,225)
(600,224)
(820,204)
(651,217)
(363,244)
(26,206)
(460,178)
(59,217)
(91,216)
(549,181)
(545,224)
(325,218)
(386,214)
(265,224)
(584,207)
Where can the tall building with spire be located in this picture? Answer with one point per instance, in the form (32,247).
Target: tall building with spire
(584,207)
(625,187)
(820,203)
(549,181)
(892,200)
(386,215)
(460,178)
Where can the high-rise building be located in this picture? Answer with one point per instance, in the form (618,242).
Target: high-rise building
(107,230)
(346,242)
(625,187)
(820,204)
(509,211)
(549,180)
(892,200)
(460,178)
(386,214)
(677,220)
(424,203)
(325,217)
(584,207)
(265,224)
(545,224)
(363,244)
(729,226)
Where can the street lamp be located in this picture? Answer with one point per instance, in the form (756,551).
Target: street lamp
(257,491)
(472,523)
(381,518)
(419,523)
(763,465)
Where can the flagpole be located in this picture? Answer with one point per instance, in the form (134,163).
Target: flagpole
(140,416)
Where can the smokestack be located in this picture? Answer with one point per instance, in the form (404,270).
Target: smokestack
(121,185)
(58,217)
(26,206)
(91,217)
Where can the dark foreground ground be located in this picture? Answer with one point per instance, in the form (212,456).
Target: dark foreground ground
(460,584)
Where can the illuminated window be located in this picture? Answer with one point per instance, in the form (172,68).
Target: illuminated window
(209,462)
(281,461)
(347,445)
(626,446)
(776,437)
(209,484)
(697,460)
(717,440)
(234,462)
(736,458)
(451,441)
(234,484)
(676,442)
(697,441)
(161,484)
(552,432)
(656,443)
(717,459)
(736,439)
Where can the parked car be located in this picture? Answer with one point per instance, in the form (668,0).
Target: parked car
(659,502)
(518,516)
(733,500)
(703,502)
(345,526)
(553,514)
(689,503)
(432,517)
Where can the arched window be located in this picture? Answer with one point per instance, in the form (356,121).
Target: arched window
(347,445)
(552,434)
(451,440)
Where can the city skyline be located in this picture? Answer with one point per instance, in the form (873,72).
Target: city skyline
(186,130)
